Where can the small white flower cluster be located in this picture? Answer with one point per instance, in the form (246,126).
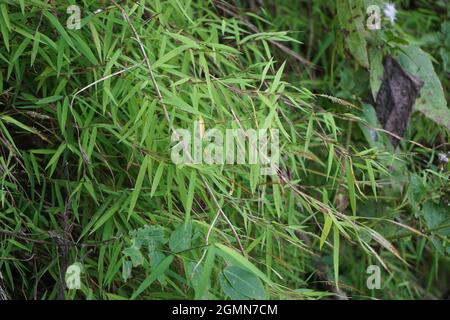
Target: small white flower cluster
(444,158)
(391,12)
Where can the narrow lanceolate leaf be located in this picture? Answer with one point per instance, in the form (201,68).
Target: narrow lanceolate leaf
(138,185)
(371,177)
(330,160)
(186,40)
(350,185)
(309,132)
(190,195)
(21,125)
(326,230)
(56,156)
(5,15)
(57,25)
(157,178)
(170,55)
(159,270)
(5,33)
(96,39)
(277,79)
(48,100)
(336,254)
(34,51)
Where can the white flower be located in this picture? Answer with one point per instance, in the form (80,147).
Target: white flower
(390,12)
(373,134)
(443,158)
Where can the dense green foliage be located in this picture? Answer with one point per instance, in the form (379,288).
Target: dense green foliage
(86,177)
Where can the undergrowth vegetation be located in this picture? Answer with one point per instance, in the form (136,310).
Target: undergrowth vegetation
(87,118)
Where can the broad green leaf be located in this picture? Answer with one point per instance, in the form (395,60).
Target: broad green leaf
(229,290)
(376,71)
(148,235)
(135,255)
(432,102)
(205,275)
(237,259)
(180,239)
(436,215)
(351,18)
(244,282)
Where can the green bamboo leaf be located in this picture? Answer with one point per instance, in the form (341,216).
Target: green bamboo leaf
(4,26)
(138,185)
(326,229)
(96,39)
(371,177)
(56,156)
(54,21)
(187,41)
(34,50)
(309,131)
(336,255)
(330,160)
(20,49)
(83,47)
(5,15)
(350,185)
(107,215)
(169,55)
(277,79)
(157,178)
(48,100)
(190,194)
(159,270)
